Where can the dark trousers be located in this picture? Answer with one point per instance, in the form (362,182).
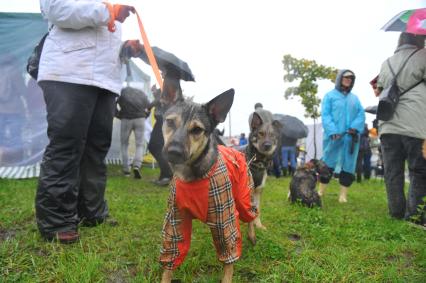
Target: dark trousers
(155,146)
(367,165)
(363,165)
(398,149)
(276,163)
(73,172)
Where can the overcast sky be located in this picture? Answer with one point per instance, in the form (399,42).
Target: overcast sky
(240,44)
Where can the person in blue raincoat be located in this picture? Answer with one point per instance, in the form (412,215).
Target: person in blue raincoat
(343,120)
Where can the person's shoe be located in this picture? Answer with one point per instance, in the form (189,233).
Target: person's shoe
(67,237)
(162,182)
(137,173)
(126,174)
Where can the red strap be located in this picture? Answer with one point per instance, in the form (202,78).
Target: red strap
(111,23)
(147,46)
(149,53)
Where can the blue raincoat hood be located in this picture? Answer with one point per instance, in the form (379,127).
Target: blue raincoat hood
(339,77)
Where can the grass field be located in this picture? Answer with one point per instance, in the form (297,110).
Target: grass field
(353,242)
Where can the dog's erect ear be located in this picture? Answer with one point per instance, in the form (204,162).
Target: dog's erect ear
(171,90)
(255,122)
(219,106)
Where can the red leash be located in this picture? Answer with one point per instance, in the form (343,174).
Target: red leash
(147,46)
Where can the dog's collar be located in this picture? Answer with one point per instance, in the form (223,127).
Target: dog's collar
(196,164)
(256,158)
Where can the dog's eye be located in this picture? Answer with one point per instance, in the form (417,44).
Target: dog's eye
(261,134)
(196,131)
(170,123)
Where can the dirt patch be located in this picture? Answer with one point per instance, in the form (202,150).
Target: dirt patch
(405,259)
(294,237)
(409,258)
(391,258)
(117,277)
(7,234)
(42,252)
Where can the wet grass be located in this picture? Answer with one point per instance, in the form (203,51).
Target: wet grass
(353,242)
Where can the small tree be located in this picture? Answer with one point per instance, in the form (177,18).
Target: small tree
(306,73)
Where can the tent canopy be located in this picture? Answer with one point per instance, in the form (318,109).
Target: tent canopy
(23,123)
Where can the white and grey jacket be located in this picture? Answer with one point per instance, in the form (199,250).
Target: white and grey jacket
(79,48)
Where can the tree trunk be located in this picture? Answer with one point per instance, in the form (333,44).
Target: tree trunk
(315,138)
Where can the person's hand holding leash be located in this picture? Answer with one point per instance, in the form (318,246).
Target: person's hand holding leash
(131,48)
(335,137)
(119,13)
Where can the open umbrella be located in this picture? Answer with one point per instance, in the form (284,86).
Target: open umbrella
(371,109)
(292,127)
(412,21)
(168,61)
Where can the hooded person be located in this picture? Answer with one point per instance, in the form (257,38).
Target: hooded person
(171,94)
(343,120)
(402,136)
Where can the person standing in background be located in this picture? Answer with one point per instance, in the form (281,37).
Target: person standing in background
(402,136)
(163,100)
(343,120)
(363,165)
(134,106)
(243,140)
(288,155)
(80,75)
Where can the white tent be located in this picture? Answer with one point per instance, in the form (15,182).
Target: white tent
(22,110)
(310,145)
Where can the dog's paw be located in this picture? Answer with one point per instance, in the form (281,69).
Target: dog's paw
(251,234)
(260,226)
(253,241)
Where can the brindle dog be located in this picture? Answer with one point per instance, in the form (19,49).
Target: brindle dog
(303,183)
(192,151)
(263,141)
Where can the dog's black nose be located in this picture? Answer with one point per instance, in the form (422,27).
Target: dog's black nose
(175,155)
(267,146)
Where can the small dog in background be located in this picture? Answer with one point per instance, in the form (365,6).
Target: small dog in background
(303,183)
(263,141)
(210,183)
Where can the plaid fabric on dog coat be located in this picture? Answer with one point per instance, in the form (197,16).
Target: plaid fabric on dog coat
(219,199)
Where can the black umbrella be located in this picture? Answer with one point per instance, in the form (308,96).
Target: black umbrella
(371,109)
(292,127)
(168,62)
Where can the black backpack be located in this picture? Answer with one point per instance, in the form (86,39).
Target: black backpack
(34,59)
(389,97)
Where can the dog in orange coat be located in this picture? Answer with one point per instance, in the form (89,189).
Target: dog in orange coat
(211,183)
